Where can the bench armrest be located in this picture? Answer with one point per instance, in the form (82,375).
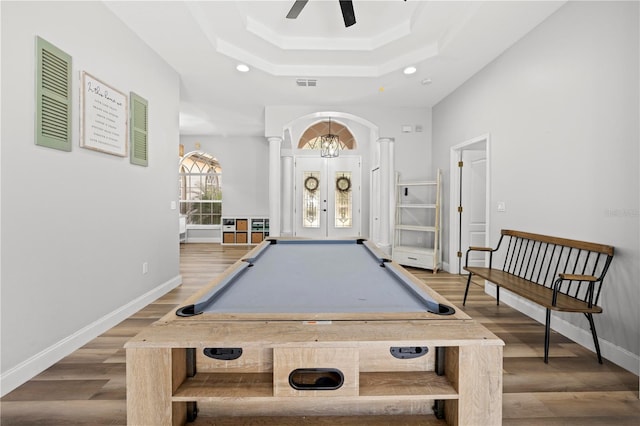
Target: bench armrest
(574,277)
(589,279)
(480,248)
(484,249)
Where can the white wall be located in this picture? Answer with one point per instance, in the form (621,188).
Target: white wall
(412,150)
(562,109)
(244,160)
(77,226)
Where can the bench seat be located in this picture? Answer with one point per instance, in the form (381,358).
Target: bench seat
(534,292)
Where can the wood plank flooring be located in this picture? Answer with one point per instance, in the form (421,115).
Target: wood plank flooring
(88,386)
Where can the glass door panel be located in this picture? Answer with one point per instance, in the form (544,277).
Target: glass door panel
(311,200)
(343,194)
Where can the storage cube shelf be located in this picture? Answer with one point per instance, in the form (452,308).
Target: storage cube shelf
(244,230)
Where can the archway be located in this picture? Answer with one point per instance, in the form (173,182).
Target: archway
(376,156)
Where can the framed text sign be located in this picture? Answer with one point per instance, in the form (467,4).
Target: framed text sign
(104,117)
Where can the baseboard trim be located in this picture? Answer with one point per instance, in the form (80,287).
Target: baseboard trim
(36,364)
(619,356)
(198,240)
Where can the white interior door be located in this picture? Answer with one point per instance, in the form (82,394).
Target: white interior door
(473,220)
(327,197)
(469,188)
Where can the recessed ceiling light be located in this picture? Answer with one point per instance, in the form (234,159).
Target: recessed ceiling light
(426,81)
(410,70)
(242,68)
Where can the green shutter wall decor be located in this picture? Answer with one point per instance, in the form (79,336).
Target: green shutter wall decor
(53,96)
(139,124)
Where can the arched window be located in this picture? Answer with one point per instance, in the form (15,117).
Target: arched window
(200,189)
(310,139)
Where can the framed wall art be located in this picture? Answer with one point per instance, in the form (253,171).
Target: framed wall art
(104,117)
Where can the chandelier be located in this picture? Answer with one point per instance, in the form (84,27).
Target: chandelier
(329,144)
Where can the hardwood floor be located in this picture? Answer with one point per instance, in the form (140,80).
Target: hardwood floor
(88,386)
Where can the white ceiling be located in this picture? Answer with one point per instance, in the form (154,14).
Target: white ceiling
(447,41)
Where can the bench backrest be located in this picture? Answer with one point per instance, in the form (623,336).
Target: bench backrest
(540,258)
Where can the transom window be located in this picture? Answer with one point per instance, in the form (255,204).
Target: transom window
(200,177)
(310,139)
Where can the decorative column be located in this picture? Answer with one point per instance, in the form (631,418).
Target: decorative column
(287,193)
(274,185)
(387,193)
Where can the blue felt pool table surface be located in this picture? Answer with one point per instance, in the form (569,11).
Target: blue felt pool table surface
(317,277)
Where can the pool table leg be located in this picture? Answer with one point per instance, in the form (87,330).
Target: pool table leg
(150,379)
(476,373)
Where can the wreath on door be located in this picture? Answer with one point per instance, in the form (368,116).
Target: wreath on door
(343,184)
(311,183)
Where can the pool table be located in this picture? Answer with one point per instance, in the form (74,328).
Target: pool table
(315,328)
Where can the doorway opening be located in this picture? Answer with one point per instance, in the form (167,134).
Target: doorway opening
(469,201)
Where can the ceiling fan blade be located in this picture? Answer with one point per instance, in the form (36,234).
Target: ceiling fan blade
(348,14)
(296,8)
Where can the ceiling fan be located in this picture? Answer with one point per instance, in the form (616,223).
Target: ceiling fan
(346,5)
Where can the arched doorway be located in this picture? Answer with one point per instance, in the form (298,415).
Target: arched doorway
(327,191)
(377,162)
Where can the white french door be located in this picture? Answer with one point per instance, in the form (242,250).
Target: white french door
(327,197)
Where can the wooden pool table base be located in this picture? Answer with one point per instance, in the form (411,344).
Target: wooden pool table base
(469,388)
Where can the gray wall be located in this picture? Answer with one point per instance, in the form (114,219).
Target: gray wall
(245,171)
(77,226)
(562,110)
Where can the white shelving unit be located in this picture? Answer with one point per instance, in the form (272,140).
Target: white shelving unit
(417,239)
(244,230)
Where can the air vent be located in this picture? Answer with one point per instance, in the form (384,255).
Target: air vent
(306,82)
